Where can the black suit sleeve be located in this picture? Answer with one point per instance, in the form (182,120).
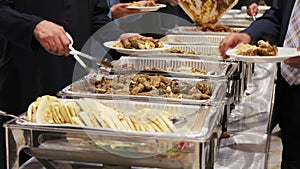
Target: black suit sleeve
(273,24)
(17,27)
(100,17)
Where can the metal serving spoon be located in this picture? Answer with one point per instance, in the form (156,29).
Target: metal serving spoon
(177,120)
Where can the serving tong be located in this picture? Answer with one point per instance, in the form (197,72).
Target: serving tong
(100,61)
(21,118)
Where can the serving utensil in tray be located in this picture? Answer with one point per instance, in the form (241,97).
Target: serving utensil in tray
(192,148)
(100,61)
(20,118)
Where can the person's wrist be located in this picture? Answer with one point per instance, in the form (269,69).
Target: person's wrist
(246,38)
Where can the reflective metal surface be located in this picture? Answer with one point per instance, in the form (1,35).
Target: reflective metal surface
(247,146)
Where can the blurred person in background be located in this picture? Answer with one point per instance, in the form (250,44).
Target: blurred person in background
(34,45)
(252,6)
(118,9)
(280,25)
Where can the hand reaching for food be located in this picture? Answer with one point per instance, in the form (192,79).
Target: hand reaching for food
(231,41)
(132,35)
(252,9)
(294,61)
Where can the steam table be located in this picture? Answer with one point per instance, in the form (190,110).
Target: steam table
(248,123)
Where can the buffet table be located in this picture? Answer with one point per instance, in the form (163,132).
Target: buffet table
(248,122)
(247,146)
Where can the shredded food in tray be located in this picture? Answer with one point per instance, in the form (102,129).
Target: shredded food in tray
(263,49)
(89,112)
(209,27)
(146,85)
(185,69)
(176,50)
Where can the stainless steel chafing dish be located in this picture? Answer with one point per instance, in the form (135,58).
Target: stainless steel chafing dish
(51,143)
(177,67)
(80,89)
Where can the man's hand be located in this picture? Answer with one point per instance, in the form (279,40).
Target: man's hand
(252,9)
(52,37)
(232,40)
(293,62)
(119,10)
(131,35)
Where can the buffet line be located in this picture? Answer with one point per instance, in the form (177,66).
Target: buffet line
(167,109)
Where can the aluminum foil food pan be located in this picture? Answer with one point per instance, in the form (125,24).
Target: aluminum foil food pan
(187,89)
(191,51)
(243,23)
(193,39)
(177,67)
(198,49)
(193,30)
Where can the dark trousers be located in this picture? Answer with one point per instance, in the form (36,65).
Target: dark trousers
(287,111)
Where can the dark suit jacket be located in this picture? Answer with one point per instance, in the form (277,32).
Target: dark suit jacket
(273,26)
(26,69)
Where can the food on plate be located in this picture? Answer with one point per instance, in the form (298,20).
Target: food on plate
(143,3)
(90,112)
(206,11)
(145,85)
(263,49)
(139,43)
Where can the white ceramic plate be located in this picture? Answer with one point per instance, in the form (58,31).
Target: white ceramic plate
(283,54)
(233,11)
(263,8)
(147,8)
(110,45)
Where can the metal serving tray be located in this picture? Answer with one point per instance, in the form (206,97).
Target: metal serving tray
(242,23)
(80,89)
(214,69)
(193,39)
(202,52)
(193,30)
(191,149)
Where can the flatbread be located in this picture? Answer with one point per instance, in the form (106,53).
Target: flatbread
(206,11)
